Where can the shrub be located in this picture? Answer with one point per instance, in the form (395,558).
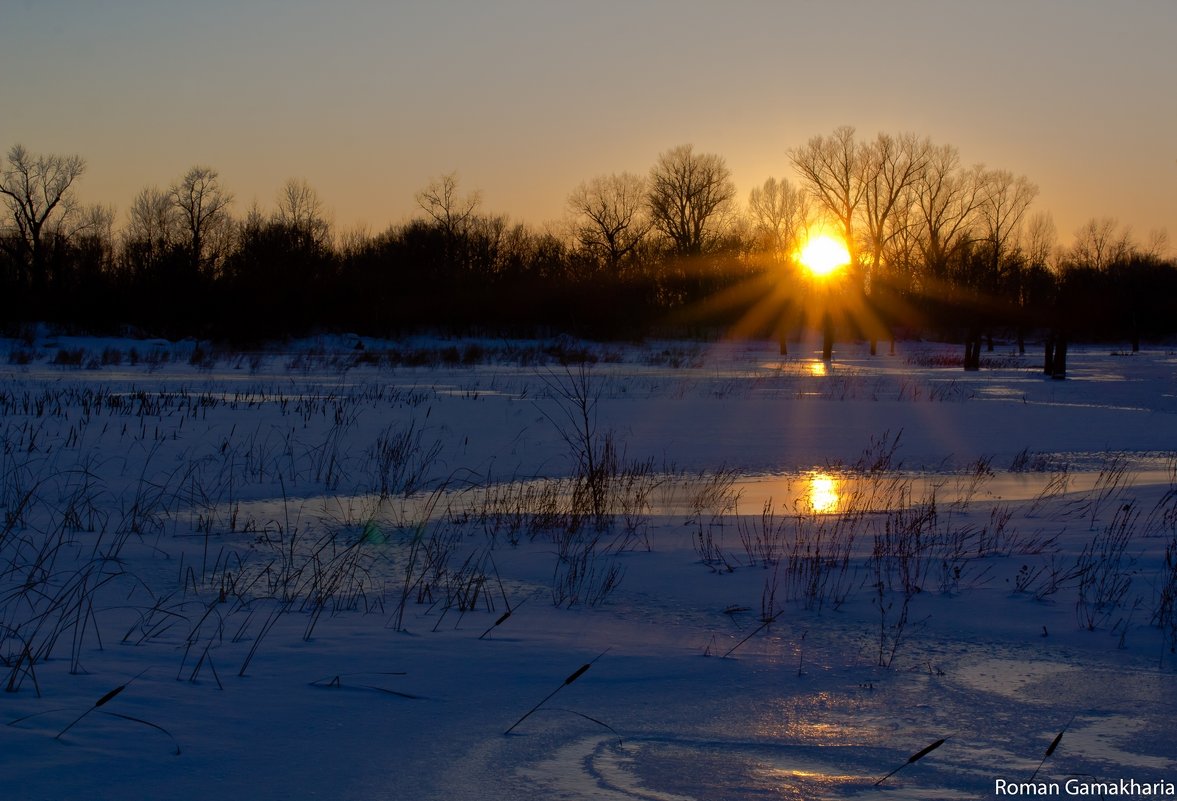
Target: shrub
(69,357)
(21,356)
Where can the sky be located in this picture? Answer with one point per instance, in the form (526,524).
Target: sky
(369,101)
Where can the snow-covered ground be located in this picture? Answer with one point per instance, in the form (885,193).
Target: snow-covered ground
(278,575)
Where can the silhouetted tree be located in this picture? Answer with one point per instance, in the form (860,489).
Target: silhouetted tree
(450,210)
(934,244)
(690,199)
(1099,243)
(453,214)
(948,198)
(892,166)
(780,216)
(81,265)
(300,209)
(1004,202)
(833,171)
(996,278)
(154,220)
(1040,240)
(37,191)
(610,217)
(154,231)
(203,206)
(278,280)
(1085,288)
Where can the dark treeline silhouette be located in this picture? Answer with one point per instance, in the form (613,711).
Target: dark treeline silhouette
(936,250)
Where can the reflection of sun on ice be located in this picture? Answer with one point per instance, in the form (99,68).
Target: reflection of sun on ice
(823,493)
(823,254)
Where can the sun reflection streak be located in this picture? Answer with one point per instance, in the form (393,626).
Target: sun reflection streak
(815,732)
(824,495)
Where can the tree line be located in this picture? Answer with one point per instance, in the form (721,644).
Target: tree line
(937,248)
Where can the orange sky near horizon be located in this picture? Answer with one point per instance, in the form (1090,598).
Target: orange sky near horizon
(524,99)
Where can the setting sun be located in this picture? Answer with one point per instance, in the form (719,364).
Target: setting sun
(823,254)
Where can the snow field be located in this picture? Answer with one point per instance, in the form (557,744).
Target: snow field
(293,566)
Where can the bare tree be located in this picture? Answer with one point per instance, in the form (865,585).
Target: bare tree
(780,216)
(153,231)
(300,208)
(948,198)
(354,240)
(98,220)
(866,190)
(902,250)
(153,219)
(1099,243)
(203,206)
(1040,240)
(690,199)
(1158,244)
(91,237)
(1004,201)
(449,209)
(455,215)
(610,214)
(1040,284)
(487,242)
(892,166)
(832,168)
(37,190)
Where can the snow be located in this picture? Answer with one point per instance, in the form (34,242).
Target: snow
(207,505)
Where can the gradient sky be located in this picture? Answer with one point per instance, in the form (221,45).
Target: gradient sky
(369,100)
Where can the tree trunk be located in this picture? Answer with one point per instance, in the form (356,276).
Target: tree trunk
(1060,358)
(972,350)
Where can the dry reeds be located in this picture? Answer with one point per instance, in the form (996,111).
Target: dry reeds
(580,671)
(1050,749)
(916,757)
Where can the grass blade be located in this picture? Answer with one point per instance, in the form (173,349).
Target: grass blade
(337,682)
(753,633)
(620,742)
(155,726)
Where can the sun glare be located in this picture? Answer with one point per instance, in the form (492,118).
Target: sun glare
(823,254)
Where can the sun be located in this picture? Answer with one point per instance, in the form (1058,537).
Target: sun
(823,254)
